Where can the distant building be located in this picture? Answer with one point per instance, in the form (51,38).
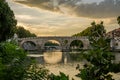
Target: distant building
(115,39)
(114,33)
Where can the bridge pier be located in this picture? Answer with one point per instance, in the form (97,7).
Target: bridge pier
(65,50)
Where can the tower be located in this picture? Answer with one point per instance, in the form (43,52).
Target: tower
(55,4)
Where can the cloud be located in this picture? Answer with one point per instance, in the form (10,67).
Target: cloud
(44,4)
(49,23)
(103,9)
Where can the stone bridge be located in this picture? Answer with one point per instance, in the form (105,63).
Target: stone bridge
(39,42)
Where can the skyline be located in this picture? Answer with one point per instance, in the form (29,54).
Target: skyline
(50,23)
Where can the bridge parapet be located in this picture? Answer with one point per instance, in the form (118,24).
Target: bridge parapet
(62,37)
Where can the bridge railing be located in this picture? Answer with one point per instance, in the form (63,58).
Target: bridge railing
(83,37)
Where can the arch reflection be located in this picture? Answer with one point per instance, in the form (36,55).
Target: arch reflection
(52,57)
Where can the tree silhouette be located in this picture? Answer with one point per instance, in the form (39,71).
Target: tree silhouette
(118,19)
(7,21)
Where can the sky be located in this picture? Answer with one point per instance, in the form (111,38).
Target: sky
(64,17)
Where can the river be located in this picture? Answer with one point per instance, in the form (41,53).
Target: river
(65,62)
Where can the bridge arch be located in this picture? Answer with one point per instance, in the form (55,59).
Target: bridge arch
(29,45)
(52,45)
(84,42)
(76,44)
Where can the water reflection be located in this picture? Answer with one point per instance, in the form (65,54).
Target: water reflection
(68,60)
(52,57)
(65,58)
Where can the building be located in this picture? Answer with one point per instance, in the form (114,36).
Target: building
(115,39)
(114,33)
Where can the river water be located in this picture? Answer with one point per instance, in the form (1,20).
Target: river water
(65,62)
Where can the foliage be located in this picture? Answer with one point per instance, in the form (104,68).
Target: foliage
(100,42)
(99,67)
(62,76)
(22,33)
(95,30)
(99,58)
(76,43)
(100,61)
(51,44)
(13,62)
(14,65)
(7,21)
(36,72)
(10,51)
(65,42)
(118,19)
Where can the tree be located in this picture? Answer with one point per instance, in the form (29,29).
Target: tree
(99,58)
(95,30)
(7,21)
(13,62)
(61,76)
(14,65)
(118,19)
(36,72)
(22,33)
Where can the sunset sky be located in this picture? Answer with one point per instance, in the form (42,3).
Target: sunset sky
(71,16)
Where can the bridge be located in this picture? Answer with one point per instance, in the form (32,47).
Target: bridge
(38,43)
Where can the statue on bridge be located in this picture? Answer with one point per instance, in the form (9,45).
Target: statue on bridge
(15,38)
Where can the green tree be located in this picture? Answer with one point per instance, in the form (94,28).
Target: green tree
(99,58)
(36,72)
(7,21)
(22,33)
(61,76)
(13,62)
(100,64)
(14,65)
(94,30)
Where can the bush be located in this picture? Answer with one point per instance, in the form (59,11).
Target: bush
(14,65)
(36,72)
(13,62)
(100,61)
